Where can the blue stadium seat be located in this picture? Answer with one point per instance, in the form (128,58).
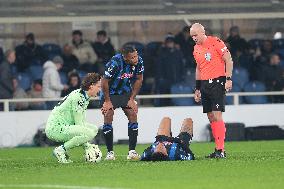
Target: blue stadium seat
(82,74)
(63,77)
(189,77)
(240,76)
(36,71)
(25,81)
(278,43)
(139,47)
(182,88)
(255,86)
(255,43)
(230,99)
(51,49)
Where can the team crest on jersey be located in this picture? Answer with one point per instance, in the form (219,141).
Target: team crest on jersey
(208,56)
(80,103)
(133,68)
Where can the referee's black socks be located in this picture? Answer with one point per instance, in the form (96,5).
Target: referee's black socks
(132,134)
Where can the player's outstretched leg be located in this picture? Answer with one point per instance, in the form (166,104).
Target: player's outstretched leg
(165,127)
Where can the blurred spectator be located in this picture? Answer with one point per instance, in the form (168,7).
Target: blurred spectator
(36,92)
(264,54)
(74,83)
(19,93)
(272,74)
(236,42)
(29,53)
(6,76)
(103,47)
(186,44)
(170,67)
(83,51)
(71,62)
(52,85)
(1,54)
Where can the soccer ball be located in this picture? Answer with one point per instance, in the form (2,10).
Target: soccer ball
(93,154)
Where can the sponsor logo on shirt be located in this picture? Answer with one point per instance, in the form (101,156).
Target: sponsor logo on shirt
(126,75)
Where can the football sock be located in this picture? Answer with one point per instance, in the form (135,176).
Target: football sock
(132,134)
(220,131)
(108,134)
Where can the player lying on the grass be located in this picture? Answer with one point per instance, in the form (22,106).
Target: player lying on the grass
(168,148)
(67,123)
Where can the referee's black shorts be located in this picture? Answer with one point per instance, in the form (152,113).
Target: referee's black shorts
(118,100)
(213,94)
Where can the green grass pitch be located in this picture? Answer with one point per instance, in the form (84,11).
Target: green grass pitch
(255,165)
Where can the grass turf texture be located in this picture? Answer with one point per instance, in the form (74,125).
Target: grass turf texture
(255,165)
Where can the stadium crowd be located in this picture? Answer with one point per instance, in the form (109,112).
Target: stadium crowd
(169,67)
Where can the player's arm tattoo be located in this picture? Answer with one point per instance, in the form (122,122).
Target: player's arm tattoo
(136,86)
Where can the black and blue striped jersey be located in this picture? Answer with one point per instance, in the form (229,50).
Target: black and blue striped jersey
(121,74)
(175,148)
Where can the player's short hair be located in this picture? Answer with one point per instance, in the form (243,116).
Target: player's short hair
(127,49)
(158,156)
(90,79)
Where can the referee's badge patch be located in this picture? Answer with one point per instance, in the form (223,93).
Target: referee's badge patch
(208,56)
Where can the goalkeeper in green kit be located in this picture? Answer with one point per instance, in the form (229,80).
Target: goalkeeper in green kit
(67,123)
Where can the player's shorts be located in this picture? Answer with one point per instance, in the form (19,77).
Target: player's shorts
(213,94)
(118,101)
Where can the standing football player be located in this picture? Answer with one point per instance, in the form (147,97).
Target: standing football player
(213,78)
(121,82)
(67,123)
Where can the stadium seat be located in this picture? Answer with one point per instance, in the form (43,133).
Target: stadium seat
(139,47)
(24,79)
(240,76)
(81,74)
(36,71)
(255,43)
(278,43)
(230,99)
(63,77)
(189,77)
(51,49)
(182,88)
(255,86)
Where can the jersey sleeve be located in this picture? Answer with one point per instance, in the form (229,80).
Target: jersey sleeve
(220,46)
(78,110)
(111,69)
(140,67)
(146,156)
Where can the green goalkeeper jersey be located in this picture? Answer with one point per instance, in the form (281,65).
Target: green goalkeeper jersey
(72,109)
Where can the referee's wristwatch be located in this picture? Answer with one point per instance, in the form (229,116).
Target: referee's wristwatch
(228,78)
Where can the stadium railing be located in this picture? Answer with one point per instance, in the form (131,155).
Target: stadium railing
(235,95)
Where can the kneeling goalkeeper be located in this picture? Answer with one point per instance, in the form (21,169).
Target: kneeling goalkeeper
(66,122)
(168,148)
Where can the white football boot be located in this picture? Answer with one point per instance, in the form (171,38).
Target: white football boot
(61,156)
(133,155)
(110,156)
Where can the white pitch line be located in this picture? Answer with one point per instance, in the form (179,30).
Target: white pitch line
(50,186)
